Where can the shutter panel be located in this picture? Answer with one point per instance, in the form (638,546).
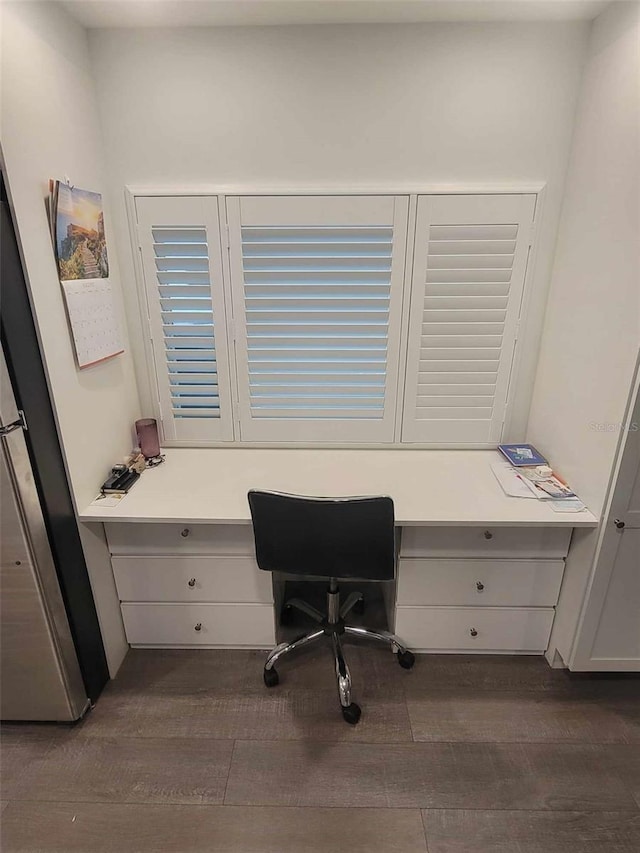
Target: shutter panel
(317,287)
(180,247)
(469,268)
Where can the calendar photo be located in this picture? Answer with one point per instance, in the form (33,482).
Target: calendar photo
(79,240)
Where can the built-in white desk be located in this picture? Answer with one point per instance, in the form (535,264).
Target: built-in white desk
(428,487)
(478,571)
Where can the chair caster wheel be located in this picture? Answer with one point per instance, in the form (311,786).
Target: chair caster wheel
(359,606)
(351,713)
(271,677)
(406,659)
(286,615)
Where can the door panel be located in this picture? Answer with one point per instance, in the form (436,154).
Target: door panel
(618,634)
(609,634)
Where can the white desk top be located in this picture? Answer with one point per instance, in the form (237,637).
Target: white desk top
(429,487)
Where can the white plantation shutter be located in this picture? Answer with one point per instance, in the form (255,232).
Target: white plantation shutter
(317,293)
(179,241)
(468,276)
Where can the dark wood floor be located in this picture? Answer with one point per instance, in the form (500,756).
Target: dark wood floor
(187,751)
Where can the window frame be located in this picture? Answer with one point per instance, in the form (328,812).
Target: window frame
(524,356)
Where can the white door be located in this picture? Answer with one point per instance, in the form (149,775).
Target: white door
(610,631)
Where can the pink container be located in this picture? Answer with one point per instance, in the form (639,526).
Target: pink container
(147,432)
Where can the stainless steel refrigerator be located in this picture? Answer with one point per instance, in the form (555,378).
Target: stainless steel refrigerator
(39,670)
(52,659)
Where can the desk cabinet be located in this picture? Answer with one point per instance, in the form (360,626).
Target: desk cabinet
(479,583)
(191,586)
(538,542)
(458,588)
(473,629)
(191,579)
(474,589)
(144,539)
(209,625)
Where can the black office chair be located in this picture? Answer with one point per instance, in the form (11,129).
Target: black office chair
(332,538)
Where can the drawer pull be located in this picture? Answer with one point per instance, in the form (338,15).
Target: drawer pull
(479,586)
(198,627)
(184,533)
(473,632)
(192,583)
(488,534)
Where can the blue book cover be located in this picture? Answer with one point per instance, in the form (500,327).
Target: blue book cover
(522,454)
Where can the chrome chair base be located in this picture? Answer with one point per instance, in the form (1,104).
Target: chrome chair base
(333,626)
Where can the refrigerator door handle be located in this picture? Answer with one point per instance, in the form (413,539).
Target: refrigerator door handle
(20,423)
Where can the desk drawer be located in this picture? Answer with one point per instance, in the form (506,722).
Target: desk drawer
(224,625)
(486,629)
(482,542)
(147,539)
(193,579)
(520,583)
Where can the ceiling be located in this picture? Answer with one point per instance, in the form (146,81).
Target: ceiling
(185,13)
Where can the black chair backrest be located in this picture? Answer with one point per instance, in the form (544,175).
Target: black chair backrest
(326,537)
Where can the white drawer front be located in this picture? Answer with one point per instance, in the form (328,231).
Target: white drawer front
(134,538)
(216,579)
(227,625)
(519,583)
(482,542)
(484,629)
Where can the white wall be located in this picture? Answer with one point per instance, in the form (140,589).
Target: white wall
(400,106)
(592,324)
(50,129)
(592,327)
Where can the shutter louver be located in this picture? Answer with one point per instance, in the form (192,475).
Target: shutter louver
(469,268)
(317,297)
(182,273)
(180,242)
(317,317)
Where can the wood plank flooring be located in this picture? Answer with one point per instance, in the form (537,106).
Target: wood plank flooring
(187,751)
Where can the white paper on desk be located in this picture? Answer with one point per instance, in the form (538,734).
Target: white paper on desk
(511,483)
(107,500)
(567,505)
